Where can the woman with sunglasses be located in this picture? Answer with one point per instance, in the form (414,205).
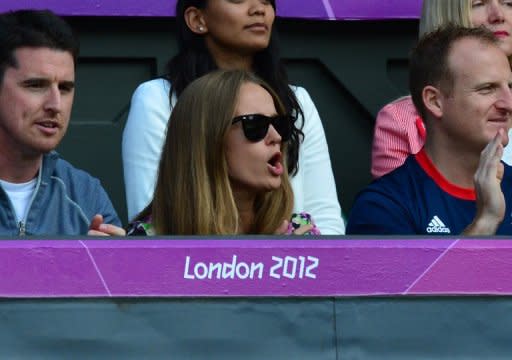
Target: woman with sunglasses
(399,129)
(229,34)
(223,165)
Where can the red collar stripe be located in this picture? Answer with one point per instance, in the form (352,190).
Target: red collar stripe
(452,189)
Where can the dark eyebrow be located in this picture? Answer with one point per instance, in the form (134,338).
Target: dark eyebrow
(35,81)
(67,84)
(44,81)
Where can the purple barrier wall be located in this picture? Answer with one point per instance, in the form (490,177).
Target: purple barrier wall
(252,268)
(309,9)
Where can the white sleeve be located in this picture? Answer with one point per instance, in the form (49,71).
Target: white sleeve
(143,138)
(314,185)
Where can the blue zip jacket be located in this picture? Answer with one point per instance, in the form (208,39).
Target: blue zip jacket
(63,203)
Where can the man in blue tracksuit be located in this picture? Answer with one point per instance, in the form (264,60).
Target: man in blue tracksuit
(460,82)
(41,194)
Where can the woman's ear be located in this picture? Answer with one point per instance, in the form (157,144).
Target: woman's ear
(195,20)
(433,100)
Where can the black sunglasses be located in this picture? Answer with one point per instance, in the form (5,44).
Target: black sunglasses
(256,125)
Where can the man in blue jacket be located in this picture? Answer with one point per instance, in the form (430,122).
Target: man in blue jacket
(460,82)
(41,194)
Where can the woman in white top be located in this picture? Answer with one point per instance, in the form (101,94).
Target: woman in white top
(229,34)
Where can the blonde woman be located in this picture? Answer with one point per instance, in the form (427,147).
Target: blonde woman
(223,164)
(399,130)
(229,34)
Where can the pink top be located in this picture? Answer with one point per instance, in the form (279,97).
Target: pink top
(399,132)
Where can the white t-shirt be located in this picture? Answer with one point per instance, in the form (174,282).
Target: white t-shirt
(20,195)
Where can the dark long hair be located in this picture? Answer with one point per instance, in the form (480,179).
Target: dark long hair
(194,60)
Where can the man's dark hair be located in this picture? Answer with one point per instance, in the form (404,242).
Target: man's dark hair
(429,59)
(35,29)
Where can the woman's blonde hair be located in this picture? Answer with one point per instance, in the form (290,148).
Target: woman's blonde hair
(193,194)
(437,13)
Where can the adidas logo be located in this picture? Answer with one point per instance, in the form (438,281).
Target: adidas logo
(437,226)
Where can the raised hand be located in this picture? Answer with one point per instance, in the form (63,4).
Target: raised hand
(490,201)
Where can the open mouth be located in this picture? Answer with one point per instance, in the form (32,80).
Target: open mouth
(48,124)
(275,166)
(275,159)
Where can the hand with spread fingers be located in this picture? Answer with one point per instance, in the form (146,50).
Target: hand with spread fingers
(490,201)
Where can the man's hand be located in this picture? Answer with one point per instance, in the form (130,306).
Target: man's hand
(490,201)
(98,228)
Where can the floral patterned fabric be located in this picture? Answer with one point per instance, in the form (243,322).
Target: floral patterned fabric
(145,227)
(300,219)
(141,228)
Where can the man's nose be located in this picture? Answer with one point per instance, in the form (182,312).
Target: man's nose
(53,101)
(504,103)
